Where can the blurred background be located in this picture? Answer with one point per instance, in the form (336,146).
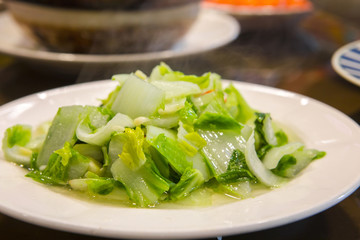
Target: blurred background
(286,44)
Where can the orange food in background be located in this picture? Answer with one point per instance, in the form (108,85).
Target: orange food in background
(261,2)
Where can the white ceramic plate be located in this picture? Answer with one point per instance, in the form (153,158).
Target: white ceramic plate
(346,62)
(212,30)
(323,184)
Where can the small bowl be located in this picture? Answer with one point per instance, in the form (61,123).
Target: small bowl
(105,26)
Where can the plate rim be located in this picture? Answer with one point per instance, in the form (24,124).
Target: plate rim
(336,65)
(41,221)
(43,55)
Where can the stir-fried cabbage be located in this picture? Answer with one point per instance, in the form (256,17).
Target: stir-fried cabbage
(160,138)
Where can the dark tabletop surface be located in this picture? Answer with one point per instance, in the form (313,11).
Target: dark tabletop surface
(295,57)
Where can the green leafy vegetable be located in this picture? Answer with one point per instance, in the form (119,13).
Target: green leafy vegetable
(64,164)
(190,180)
(138,98)
(100,135)
(133,153)
(62,130)
(291,164)
(15,143)
(144,185)
(215,117)
(237,106)
(172,152)
(237,171)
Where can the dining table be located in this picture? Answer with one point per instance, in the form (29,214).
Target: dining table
(293,56)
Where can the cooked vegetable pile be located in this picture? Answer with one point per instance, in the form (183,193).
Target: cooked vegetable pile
(159,138)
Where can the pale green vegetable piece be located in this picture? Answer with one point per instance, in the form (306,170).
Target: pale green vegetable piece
(191,180)
(190,140)
(143,185)
(121,78)
(219,148)
(89,150)
(64,164)
(102,135)
(269,133)
(168,121)
(152,132)
(199,163)
(257,167)
(138,98)
(274,155)
(291,164)
(62,130)
(15,144)
(132,153)
(173,106)
(178,89)
(172,152)
(239,189)
(237,105)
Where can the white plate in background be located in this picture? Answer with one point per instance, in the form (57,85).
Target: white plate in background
(324,183)
(210,31)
